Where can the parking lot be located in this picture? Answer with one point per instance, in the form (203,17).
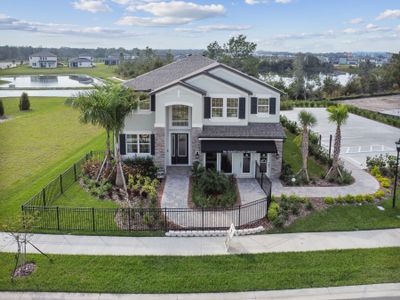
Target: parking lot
(361,137)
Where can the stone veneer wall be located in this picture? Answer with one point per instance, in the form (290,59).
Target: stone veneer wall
(195,133)
(159,155)
(276,163)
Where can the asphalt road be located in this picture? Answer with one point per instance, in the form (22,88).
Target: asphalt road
(361,137)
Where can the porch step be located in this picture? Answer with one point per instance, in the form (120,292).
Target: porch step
(179,170)
(206,233)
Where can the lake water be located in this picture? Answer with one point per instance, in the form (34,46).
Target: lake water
(42,93)
(49,81)
(341,77)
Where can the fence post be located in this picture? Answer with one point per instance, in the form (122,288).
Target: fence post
(58,218)
(165,219)
(75,177)
(239,215)
(44,196)
(94,228)
(202,218)
(320,140)
(61,184)
(129,219)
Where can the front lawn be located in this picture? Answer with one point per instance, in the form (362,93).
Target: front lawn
(292,156)
(100,71)
(38,145)
(347,217)
(234,273)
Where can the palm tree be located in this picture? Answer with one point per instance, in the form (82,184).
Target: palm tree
(306,120)
(339,115)
(94,108)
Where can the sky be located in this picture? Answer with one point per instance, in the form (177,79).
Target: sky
(275,25)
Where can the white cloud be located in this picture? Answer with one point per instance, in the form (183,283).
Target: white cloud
(350,30)
(356,21)
(253,2)
(214,27)
(9,23)
(283,1)
(171,13)
(389,14)
(372,27)
(93,6)
(398,28)
(305,35)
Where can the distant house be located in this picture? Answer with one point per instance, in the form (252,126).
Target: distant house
(115,58)
(342,61)
(43,59)
(83,61)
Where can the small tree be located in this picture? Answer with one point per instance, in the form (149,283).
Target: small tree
(306,120)
(24,103)
(338,115)
(1,108)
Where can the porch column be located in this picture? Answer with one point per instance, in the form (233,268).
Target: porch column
(195,133)
(276,163)
(159,149)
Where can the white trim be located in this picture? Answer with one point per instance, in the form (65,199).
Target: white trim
(178,103)
(171,127)
(190,81)
(177,86)
(224,117)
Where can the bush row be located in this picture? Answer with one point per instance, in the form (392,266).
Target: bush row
(350,199)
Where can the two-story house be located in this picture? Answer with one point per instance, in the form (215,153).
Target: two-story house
(82,61)
(202,110)
(43,59)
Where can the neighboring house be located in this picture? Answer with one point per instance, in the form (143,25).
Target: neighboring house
(202,110)
(83,61)
(115,58)
(43,59)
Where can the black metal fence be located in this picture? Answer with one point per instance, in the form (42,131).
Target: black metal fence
(49,217)
(264,182)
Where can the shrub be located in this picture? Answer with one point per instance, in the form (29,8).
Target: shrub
(385,182)
(329,200)
(279,221)
(295,208)
(143,166)
(379,194)
(309,205)
(359,198)
(349,199)
(340,199)
(1,108)
(273,211)
(369,198)
(294,198)
(24,103)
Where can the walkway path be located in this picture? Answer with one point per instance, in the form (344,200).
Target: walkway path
(192,246)
(176,193)
(364,184)
(373,291)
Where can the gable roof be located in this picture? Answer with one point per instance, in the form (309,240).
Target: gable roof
(169,73)
(183,70)
(43,53)
(80,59)
(182,83)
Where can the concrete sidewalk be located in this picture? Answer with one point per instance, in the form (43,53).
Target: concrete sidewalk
(373,291)
(192,246)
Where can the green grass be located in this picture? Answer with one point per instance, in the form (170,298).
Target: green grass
(292,156)
(348,217)
(167,274)
(38,145)
(101,71)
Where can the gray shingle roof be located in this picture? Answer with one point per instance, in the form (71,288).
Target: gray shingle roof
(43,53)
(169,73)
(79,59)
(251,131)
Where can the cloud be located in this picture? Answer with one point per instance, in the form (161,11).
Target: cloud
(350,30)
(171,13)
(9,23)
(214,27)
(283,1)
(356,21)
(389,14)
(303,36)
(253,2)
(93,6)
(372,27)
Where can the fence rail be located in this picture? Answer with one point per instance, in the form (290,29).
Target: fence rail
(49,217)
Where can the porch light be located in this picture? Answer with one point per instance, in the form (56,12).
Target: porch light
(197,155)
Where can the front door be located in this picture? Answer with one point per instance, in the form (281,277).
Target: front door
(179,149)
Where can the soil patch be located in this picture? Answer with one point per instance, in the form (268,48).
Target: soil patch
(25,270)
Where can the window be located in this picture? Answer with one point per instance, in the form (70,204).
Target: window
(138,143)
(180,116)
(211,161)
(144,104)
(246,162)
(232,107)
(226,162)
(262,106)
(217,107)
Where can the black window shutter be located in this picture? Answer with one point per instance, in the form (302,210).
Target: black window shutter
(207,107)
(272,106)
(152,145)
(253,105)
(122,144)
(153,102)
(242,108)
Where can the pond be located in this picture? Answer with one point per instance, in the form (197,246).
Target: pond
(49,81)
(41,93)
(342,77)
